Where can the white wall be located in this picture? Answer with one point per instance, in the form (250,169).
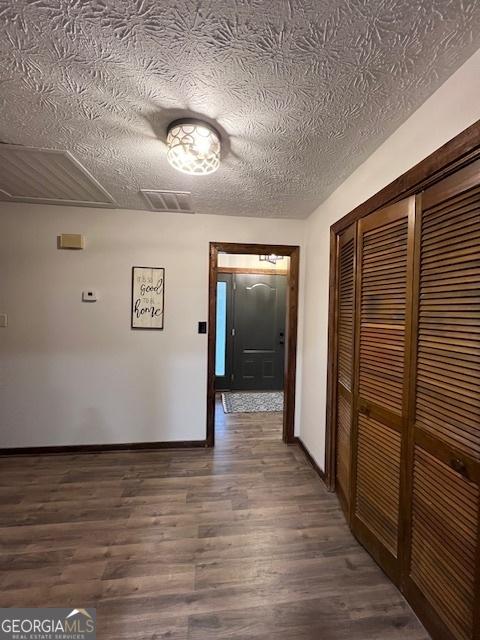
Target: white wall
(450,110)
(75,373)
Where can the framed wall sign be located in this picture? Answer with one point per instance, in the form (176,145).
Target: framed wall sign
(148,289)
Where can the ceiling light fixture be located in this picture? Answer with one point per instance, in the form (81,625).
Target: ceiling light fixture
(193,147)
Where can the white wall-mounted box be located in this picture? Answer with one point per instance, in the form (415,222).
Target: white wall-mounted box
(71,241)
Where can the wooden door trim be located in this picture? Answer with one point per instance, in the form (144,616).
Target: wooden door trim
(455,154)
(332,373)
(293,252)
(456,184)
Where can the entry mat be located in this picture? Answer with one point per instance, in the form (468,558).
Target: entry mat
(252,401)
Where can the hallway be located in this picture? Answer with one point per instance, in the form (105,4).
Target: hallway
(239,542)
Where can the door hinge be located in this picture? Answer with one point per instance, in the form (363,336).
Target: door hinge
(233,331)
(231,377)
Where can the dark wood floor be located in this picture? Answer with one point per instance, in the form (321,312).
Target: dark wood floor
(240,542)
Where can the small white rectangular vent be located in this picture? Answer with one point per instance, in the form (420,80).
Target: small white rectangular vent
(168,201)
(48,176)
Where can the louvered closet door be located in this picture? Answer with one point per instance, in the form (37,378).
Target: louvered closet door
(443,566)
(345,341)
(384,283)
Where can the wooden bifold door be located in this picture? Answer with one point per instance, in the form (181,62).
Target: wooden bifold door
(383,326)
(408,396)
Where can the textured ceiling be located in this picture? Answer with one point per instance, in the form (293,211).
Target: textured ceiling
(302,90)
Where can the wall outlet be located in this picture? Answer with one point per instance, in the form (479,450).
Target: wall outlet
(89,295)
(3,320)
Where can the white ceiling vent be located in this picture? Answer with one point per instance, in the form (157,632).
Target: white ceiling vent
(47,176)
(168,201)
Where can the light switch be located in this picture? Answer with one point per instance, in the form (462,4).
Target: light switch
(3,320)
(89,295)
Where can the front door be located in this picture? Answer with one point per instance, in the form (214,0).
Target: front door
(259,313)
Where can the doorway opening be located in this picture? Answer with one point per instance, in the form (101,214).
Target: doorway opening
(252,338)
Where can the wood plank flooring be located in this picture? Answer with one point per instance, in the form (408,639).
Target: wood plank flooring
(242,542)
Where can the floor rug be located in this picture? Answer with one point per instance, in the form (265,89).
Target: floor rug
(252,401)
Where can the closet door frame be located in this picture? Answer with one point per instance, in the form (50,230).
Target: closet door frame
(455,154)
(460,152)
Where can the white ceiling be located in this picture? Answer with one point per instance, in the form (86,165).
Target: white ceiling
(302,90)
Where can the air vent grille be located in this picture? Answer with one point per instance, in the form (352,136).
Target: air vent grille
(168,201)
(48,176)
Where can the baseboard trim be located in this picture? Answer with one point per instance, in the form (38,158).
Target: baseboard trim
(310,458)
(101,448)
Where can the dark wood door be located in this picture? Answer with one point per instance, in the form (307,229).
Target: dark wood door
(443,564)
(259,331)
(345,357)
(383,323)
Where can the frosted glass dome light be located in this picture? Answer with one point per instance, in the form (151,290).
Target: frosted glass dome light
(193,147)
